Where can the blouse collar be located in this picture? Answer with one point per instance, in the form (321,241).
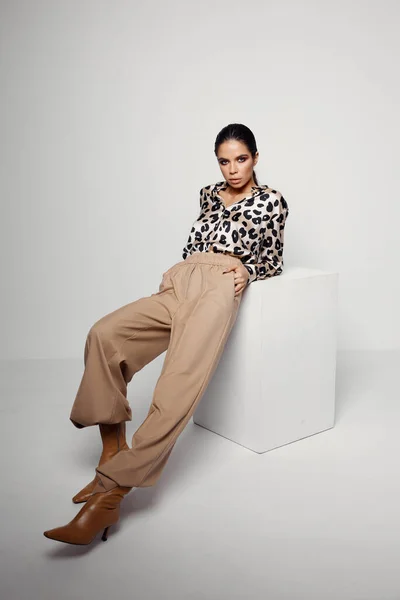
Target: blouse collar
(222,185)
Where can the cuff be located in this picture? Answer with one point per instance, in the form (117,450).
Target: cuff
(104,483)
(252,272)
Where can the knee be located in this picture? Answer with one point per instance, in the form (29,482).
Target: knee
(100,329)
(102,335)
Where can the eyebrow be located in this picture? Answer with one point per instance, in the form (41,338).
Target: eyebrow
(222,158)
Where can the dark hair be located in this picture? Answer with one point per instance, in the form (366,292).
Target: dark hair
(241,133)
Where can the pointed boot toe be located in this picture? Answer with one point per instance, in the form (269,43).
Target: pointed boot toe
(62,534)
(84,494)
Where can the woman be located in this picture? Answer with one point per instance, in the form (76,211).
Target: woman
(237,239)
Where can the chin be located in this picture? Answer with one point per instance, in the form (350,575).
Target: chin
(242,183)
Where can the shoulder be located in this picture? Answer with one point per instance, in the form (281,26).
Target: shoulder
(211,187)
(273,196)
(272,192)
(207,192)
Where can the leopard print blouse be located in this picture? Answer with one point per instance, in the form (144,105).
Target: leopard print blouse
(252,228)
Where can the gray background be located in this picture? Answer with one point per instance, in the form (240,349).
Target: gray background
(109,112)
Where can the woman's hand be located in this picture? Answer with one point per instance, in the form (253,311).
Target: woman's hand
(241,277)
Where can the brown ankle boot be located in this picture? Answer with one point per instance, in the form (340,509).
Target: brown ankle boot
(113,438)
(100,512)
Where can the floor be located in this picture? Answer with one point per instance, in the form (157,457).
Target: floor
(315,519)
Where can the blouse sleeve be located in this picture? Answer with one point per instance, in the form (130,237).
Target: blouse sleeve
(188,246)
(270,258)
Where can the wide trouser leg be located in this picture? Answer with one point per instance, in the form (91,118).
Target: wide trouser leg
(118,346)
(200,328)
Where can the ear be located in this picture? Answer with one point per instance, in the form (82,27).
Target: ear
(256,156)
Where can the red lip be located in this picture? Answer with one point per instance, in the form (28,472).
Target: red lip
(235,180)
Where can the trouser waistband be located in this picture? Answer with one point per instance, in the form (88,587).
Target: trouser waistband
(213,258)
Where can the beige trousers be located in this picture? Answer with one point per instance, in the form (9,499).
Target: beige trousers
(191,317)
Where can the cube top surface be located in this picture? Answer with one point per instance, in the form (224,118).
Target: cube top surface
(292,272)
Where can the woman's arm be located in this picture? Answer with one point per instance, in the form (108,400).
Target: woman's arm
(187,247)
(270,258)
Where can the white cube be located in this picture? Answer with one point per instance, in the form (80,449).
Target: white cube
(275,381)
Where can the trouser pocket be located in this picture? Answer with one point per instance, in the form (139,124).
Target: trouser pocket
(166,277)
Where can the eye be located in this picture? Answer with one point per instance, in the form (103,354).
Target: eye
(240,159)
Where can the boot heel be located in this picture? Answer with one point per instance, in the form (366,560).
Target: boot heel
(105,533)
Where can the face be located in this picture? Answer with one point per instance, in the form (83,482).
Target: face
(236,163)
